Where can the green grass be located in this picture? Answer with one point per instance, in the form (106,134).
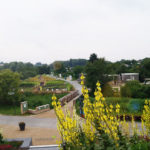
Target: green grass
(34,100)
(10,110)
(26,84)
(128,106)
(56,82)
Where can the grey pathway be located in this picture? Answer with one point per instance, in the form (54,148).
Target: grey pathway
(75,83)
(30,121)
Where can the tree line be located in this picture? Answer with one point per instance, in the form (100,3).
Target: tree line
(95,69)
(74,67)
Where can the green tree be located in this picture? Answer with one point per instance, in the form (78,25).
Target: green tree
(43,69)
(9,83)
(93,57)
(145,69)
(96,71)
(59,68)
(25,69)
(77,71)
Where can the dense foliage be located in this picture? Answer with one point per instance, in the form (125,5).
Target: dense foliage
(135,89)
(96,71)
(9,86)
(74,62)
(67,67)
(26,69)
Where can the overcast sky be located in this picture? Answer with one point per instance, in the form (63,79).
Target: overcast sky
(49,30)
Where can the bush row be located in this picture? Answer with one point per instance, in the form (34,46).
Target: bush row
(135,90)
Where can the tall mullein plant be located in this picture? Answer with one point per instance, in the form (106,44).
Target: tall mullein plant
(101,116)
(146,117)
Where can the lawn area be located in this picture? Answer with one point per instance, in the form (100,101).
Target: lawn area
(40,99)
(129,106)
(10,110)
(33,101)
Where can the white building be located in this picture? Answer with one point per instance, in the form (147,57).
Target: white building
(129,76)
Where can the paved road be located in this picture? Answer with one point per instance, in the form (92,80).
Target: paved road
(32,121)
(75,83)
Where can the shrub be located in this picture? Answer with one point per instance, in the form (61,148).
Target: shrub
(132,89)
(107,90)
(135,90)
(125,91)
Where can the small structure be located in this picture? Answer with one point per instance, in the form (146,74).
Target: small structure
(24,107)
(39,109)
(60,76)
(116,78)
(129,76)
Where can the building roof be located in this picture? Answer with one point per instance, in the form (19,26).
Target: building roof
(126,74)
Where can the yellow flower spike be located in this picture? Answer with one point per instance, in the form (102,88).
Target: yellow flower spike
(146,102)
(82,77)
(146,117)
(95,93)
(82,90)
(98,84)
(117,106)
(111,118)
(82,82)
(54,103)
(99,89)
(86,90)
(111,106)
(103,99)
(117,110)
(54,98)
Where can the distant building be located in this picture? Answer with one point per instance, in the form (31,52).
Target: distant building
(129,76)
(1,64)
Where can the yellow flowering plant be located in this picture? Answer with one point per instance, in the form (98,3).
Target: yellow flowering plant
(101,128)
(146,116)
